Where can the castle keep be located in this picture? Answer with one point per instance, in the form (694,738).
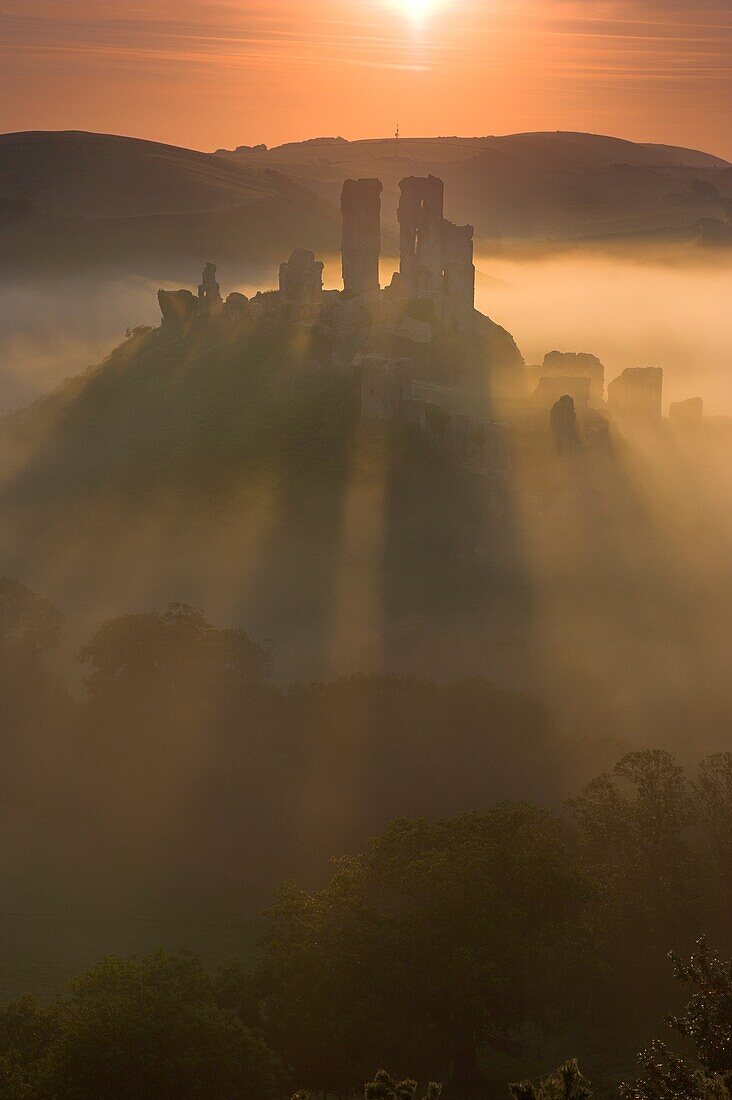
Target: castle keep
(421,352)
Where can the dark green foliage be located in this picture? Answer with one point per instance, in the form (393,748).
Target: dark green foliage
(451,931)
(28,622)
(146,1028)
(706,1023)
(666,1076)
(385,1087)
(567,1083)
(148,655)
(27,1032)
(634,835)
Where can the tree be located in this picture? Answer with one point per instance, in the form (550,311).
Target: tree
(386,1087)
(448,932)
(152,1028)
(26,1033)
(163,655)
(713,800)
(706,1023)
(567,1083)
(28,622)
(633,830)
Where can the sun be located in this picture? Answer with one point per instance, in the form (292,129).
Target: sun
(417,10)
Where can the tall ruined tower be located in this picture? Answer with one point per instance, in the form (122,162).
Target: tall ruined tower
(209,293)
(420,214)
(435,255)
(361,235)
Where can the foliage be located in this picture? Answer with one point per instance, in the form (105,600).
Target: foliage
(706,1023)
(169,653)
(149,1028)
(26,1033)
(567,1083)
(633,829)
(27,622)
(386,1087)
(442,927)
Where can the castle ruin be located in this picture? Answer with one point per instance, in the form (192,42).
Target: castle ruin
(408,342)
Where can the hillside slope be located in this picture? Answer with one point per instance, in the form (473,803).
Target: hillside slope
(71,199)
(558,185)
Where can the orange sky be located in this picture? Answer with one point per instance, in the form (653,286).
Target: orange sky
(230,72)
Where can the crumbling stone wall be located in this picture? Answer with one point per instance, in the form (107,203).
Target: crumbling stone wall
(301,283)
(687,414)
(551,390)
(577,365)
(178,308)
(636,395)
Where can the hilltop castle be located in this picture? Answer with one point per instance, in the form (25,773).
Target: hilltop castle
(421,350)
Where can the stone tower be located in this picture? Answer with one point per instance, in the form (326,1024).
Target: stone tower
(420,214)
(435,256)
(361,235)
(209,292)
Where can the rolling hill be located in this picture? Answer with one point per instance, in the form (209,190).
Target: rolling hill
(526,186)
(72,200)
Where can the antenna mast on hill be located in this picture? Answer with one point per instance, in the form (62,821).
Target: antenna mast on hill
(396,142)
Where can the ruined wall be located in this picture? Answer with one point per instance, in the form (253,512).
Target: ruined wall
(577,365)
(636,395)
(550,390)
(687,414)
(178,308)
(301,284)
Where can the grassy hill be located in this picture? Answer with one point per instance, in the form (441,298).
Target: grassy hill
(229,468)
(72,199)
(559,185)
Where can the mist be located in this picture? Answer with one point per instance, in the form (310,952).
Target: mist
(635,307)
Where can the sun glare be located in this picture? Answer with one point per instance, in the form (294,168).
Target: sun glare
(416,10)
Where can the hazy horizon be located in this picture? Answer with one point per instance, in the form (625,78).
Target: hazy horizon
(235,72)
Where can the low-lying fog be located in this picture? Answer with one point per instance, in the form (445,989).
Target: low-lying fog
(631,309)
(634,310)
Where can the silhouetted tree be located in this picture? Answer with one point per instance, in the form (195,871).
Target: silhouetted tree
(633,834)
(567,1083)
(28,622)
(451,932)
(147,1028)
(706,1023)
(713,802)
(169,653)
(27,1032)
